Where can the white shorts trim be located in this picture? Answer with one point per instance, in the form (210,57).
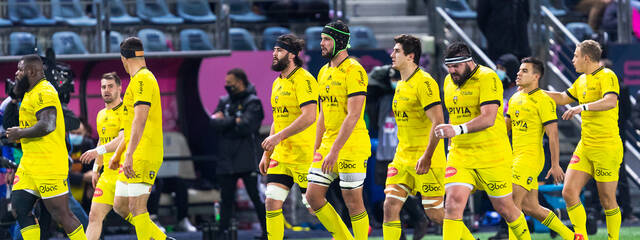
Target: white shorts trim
(58,195)
(506,195)
(459,184)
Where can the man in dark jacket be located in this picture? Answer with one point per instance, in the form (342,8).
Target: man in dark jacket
(504,25)
(236,121)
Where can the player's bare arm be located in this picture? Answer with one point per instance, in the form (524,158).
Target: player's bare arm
(554,146)
(354,109)
(561,98)
(141,112)
(485,120)
(108,147)
(319,129)
(435,115)
(609,101)
(266,155)
(45,125)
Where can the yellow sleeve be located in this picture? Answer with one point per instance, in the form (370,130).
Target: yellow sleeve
(306,91)
(357,81)
(547,111)
(428,93)
(609,84)
(490,89)
(45,100)
(142,90)
(572,91)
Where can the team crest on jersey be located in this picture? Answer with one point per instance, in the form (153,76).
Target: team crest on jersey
(104,129)
(276,99)
(455,99)
(395,103)
(392,172)
(517,113)
(152,174)
(584,93)
(327,89)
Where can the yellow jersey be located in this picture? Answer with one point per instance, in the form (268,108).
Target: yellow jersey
(337,84)
(530,113)
(288,95)
(463,104)
(143,89)
(412,98)
(46,156)
(108,126)
(598,127)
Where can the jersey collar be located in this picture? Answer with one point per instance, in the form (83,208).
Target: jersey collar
(473,72)
(292,72)
(144,67)
(343,60)
(534,91)
(597,70)
(117,106)
(34,86)
(414,73)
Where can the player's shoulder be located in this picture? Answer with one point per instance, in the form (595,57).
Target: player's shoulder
(482,72)
(608,72)
(351,64)
(543,95)
(102,112)
(144,74)
(302,74)
(423,75)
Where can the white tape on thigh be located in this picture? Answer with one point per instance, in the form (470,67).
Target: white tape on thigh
(138,189)
(429,202)
(304,200)
(121,189)
(276,193)
(389,190)
(318,177)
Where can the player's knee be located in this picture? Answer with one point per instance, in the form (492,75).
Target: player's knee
(608,201)
(121,209)
(95,216)
(570,195)
(315,200)
(392,205)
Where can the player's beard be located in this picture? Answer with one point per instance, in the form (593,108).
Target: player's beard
(21,86)
(461,79)
(327,53)
(281,64)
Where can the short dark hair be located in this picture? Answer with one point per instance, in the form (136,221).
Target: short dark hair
(296,43)
(32,60)
(538,66)
(112,76)
(410,44)
(591,49)
(132,43)
(457,49)
(239,74)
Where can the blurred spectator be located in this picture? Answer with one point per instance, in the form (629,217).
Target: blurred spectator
(504,25)
(507,67)
(609,22)
(80,174)
(236,120)
(594,10)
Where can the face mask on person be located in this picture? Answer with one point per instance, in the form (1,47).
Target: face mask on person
(75,139)
(230,89)
(503,76)
(394,84)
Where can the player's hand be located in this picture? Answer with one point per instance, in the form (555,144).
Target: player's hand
(558,174)
(423,165)
(9,177)
(94,178)
(13,134)
(217,115)
(270,142)
(114,163)
(328,163)
(264,165)
(444,131)
(88,156)
(127,167)
(571,112)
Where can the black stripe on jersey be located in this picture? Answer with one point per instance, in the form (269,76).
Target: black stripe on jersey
(283,179)
(431,105)
(116,107)
(121,129)
(549,122)
(612,92)
(497,102)
(44,108)
(571,96)
(357,94)
(597,70)
(308,102)
(507,115)
(142,102)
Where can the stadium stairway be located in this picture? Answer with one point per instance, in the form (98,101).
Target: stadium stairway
(386,20)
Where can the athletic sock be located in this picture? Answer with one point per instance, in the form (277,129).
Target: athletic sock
(333,223)
(129,218)
(391,230)
(614,219)
(77,234)
(520,228)
(452,229)
(31,232)
(466,234)
(360,225)
(146,229)
(553,223)
(578,218)
(275,225)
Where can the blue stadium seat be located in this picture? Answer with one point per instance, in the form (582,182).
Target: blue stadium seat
(195,11)
(241,40)
(153,40)
(118,12)
(270,35)
(582,31)
(115,38)
(240,11)
(71,13)
(194,40)
(68,43)
(21,43)
(312,37)
(558,11)
(362,38)
(5,23)
(459,9)
(27,12)
(156,12)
